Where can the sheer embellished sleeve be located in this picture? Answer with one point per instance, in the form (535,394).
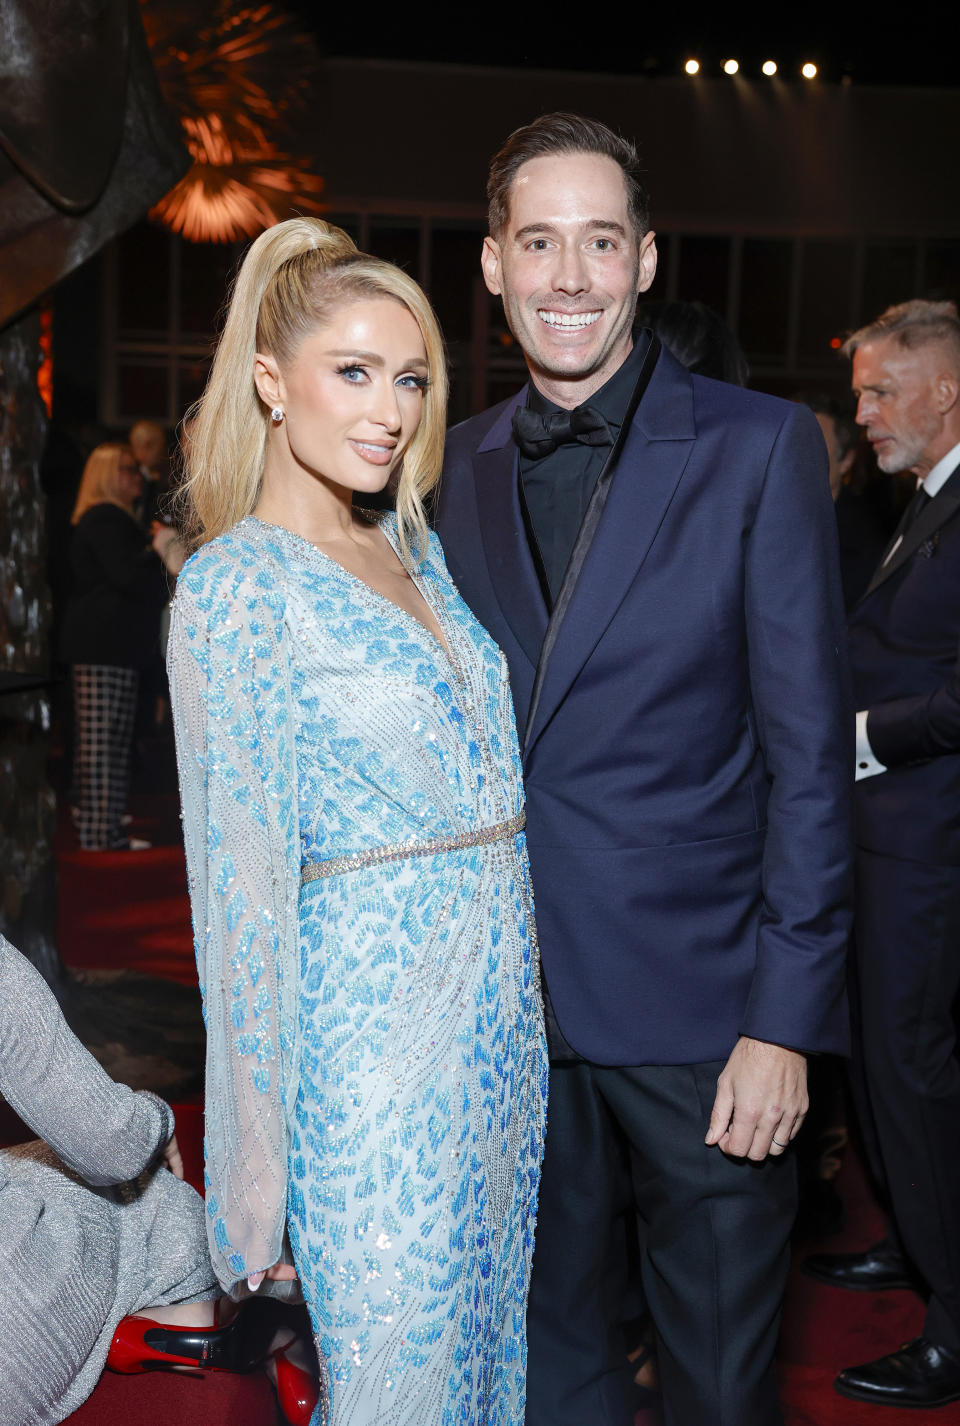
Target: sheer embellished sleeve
(229,667)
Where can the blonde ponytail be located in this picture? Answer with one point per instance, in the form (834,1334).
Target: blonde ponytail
(291,281)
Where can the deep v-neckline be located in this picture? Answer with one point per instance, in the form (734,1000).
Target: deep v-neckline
(442,643)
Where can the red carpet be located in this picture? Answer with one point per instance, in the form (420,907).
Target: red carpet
(130,910)
(174,1399)
(825,1329)
(126,909)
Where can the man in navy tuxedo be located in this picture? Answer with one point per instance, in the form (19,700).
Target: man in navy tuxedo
(904,646)
(656,554)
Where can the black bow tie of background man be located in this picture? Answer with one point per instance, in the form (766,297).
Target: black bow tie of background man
(538,435)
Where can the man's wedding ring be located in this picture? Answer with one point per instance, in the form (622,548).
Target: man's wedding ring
(782,1146)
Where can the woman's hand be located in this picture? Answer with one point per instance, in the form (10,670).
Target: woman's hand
(172,1157)
(280,1272)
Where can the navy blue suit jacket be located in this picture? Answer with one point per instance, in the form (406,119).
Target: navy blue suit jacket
(905,655)
(688,761)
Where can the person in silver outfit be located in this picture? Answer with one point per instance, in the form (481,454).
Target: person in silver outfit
(95,1219)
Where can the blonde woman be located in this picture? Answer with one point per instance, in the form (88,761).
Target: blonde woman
(353,821)
(110,633)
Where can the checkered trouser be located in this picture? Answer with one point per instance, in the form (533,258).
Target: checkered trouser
(104,704)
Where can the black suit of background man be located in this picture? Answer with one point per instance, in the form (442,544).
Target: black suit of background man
(904,640)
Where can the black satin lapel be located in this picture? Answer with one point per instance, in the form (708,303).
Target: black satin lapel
(943,505)
(585,542)
(509,560)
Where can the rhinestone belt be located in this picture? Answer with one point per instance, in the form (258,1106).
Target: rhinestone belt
(435,846)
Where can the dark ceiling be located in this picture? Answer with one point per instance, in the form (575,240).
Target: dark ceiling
(902,46)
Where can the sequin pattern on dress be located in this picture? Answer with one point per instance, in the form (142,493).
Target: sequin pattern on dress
(377,1067)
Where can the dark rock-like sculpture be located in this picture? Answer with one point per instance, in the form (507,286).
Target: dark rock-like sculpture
(86,146)
(86,142)
(27,809)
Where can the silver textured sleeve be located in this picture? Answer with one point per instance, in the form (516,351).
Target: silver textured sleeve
(104,1131)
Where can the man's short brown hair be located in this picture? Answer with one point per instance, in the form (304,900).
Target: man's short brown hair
(911,325)
(564,134)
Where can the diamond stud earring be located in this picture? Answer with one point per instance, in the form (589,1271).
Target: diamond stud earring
(276,415)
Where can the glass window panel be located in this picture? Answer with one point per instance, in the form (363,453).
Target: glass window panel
(704,271)
(826,298)
(454,263)
(501,342)
(396,242)
(205,273)
(143,392)
(143,280)
(788,383)
(459,406)
(501,387)
(192,379)
(765,299)
(889,275)
(942,271)
(349,222)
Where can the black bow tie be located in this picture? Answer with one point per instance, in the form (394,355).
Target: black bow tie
(538,435)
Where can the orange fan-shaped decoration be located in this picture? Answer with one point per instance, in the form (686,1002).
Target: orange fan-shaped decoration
(235,189)
(235,76)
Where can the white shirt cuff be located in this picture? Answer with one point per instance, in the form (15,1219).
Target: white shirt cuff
(867,764)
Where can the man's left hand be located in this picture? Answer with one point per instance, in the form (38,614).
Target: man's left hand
(761,1100)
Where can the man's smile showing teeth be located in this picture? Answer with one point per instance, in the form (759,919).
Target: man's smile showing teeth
(567,319)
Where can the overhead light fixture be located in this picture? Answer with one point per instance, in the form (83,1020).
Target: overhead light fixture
(730,66)
(769,67)
(809,71)
(692,66)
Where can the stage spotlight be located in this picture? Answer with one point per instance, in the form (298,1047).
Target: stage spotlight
(769,67)
(809,71)
(730,66)
(692,66)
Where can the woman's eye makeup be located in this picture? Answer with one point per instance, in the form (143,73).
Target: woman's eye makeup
(356,374)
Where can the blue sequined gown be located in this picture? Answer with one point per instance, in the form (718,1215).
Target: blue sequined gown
(376,1068)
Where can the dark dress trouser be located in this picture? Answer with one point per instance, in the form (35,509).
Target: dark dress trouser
(906,1075)
(714,1237)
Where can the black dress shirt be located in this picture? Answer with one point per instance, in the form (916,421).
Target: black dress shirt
(555,492)
(557,488)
